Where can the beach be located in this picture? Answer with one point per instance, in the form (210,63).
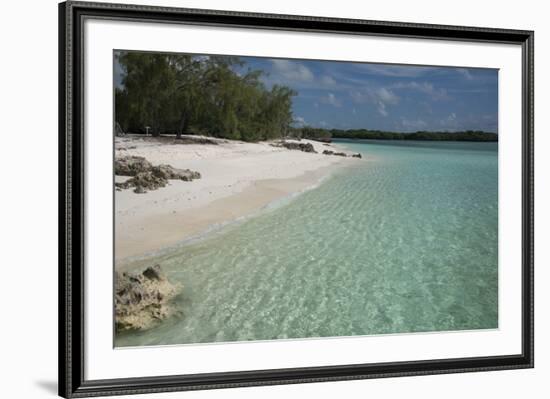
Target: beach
(237,179)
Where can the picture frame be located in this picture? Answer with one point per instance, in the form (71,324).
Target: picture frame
(73,381)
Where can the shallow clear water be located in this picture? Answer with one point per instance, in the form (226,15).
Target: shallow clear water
(405,241)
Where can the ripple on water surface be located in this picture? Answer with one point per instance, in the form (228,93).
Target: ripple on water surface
(405,242)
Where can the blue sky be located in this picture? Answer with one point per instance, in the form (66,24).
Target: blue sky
(350,95)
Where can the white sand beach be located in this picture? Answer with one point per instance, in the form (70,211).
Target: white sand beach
(237,179)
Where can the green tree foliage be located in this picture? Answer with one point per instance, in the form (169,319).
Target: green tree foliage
(184,94)
(326,134)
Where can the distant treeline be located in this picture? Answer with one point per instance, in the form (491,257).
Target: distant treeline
(327,134)
(184,94)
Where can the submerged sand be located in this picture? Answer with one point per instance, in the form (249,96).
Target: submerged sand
(238,179)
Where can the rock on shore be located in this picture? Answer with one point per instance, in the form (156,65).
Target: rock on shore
(143,300)
(305,147)
(342,154)
(145,176)
(131,165)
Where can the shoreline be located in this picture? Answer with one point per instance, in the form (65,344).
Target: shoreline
(239,180)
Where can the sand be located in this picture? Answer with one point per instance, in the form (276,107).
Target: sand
(238,179)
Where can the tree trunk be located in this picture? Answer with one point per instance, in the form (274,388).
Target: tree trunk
(118,130)
(155,130)
(184,125)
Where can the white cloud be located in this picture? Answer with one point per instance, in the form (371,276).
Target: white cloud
(413,124)
(328,80)
(450,121)
(381,97)
(402,71)
(292,70)
(299,121)
(331,99)
(424,87)
(472,121)
(464,72)
(387,96)
(381,108)
(368,94)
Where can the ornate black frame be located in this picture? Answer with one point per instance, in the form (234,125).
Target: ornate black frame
(71,200)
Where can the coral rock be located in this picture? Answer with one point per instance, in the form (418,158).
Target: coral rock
(142,300)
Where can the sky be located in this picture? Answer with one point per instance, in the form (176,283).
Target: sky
(350,95)
(402,98)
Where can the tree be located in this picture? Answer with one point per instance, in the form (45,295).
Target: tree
(184,94)
(147,91)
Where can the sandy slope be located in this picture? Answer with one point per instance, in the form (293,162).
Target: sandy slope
(237,179)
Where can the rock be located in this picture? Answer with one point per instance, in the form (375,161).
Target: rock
(170,173)
(142,300)
(145,176)
(194,140)
(143,181)
(341,154)
(329,152)
(131,165)
(131,147)
(154,273)
(305,147)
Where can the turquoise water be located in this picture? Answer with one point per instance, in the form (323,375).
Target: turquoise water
(404,241)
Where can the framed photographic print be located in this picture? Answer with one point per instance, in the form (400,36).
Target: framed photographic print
(251,199)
